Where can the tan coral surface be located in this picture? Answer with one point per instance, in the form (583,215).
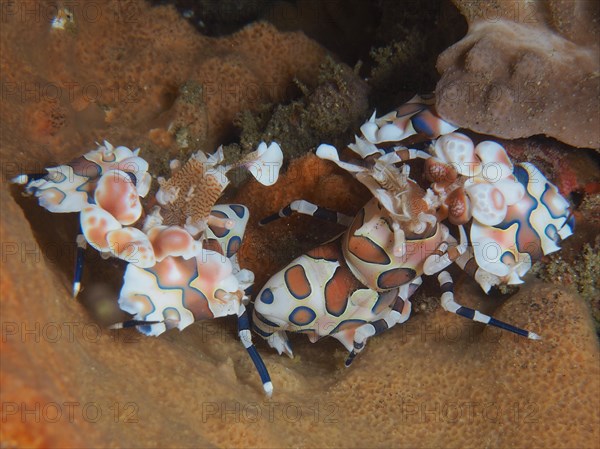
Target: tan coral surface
(139,74)
(67,381)
(436,381)
(525,68)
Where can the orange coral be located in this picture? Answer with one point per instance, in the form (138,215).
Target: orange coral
(429,382)
(128,71)
(308,178)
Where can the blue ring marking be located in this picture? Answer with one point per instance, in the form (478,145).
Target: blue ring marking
(263,320)
(571,223)
(507,224)
(521,174)
(382,298)
(145,317)
(112,153)
(169,309)
(523,177)
(239,210)
(146,329)
(387,260)
(132,178)
(506,253)
(232,240)
(182,289)
(267,296)
(260,332)
(420,124)
(222,215)
(337,328)
(57,181)
(410,273)
(64,195)
(552,229)
(547,188)
(311,316)
(83,171)
(82,189)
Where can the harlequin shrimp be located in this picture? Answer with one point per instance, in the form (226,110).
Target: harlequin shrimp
(182,257)
(103,185)
(359,284)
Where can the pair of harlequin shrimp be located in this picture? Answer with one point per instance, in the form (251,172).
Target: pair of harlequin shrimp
(182,257)
(181,254)
(359,284)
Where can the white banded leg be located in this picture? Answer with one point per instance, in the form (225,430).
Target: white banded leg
(406,291)
(79,258)
(469,265)
(133,323)
(448,303)
(25,179)
(246,339)
(444,255)
(307,208)
(273,333)
(398,314)
(243,333)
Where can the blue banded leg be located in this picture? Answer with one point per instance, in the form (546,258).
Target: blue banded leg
(306,208)
(405,292)
(248,293)
(81,246)
(272,332)
(448,303)
(133,323)
(485,279)
(25,179)
(363,332)
(246,339)
(444,255)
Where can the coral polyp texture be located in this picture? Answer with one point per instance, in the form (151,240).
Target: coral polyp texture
(140,74)
(182,267)
(525,68)
(360,283)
